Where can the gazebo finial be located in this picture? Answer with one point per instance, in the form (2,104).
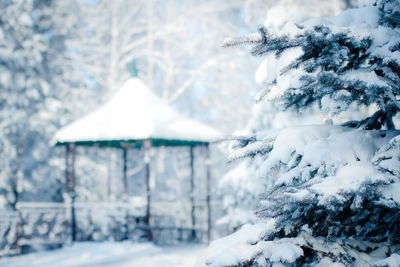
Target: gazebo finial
(134,69)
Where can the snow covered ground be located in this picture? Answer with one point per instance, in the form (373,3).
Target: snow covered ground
(111,254)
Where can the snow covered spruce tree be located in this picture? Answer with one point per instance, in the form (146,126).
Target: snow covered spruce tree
(333,194)
(241,186)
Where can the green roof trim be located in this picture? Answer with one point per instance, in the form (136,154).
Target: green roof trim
(136,143)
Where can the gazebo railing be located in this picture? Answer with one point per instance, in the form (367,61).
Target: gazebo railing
(8,232)
(37,226)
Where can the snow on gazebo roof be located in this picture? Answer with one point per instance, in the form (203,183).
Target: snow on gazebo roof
(135,114)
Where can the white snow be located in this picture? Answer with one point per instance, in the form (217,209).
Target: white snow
(239,189)
(280,12)
(247,244)
(328,262)
(135,113)
(270,71)
(365,2)
(365,17)
(392,261)
(110,254)
(238,247)
(349,178)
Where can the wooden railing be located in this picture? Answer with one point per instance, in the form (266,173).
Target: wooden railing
(36,226)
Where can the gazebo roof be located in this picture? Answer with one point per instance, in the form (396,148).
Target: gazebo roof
(135,114)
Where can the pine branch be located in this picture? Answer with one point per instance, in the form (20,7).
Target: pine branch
(246,40)
(375,122)
(252,149)
(250,39)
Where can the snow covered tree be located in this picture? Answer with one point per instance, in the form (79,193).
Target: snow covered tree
(39,80)
(332,194)
(242,185)
(22,86)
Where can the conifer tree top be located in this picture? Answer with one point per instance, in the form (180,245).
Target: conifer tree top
(353,57)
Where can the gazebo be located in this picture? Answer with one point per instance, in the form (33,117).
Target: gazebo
(136,118)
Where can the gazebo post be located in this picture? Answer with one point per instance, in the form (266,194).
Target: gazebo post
(70,185)
(208,188)
(147,150)
(124,147)
(125,169)
(192,199)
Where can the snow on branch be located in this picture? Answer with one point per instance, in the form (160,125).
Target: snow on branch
(254,38)
(235,41)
